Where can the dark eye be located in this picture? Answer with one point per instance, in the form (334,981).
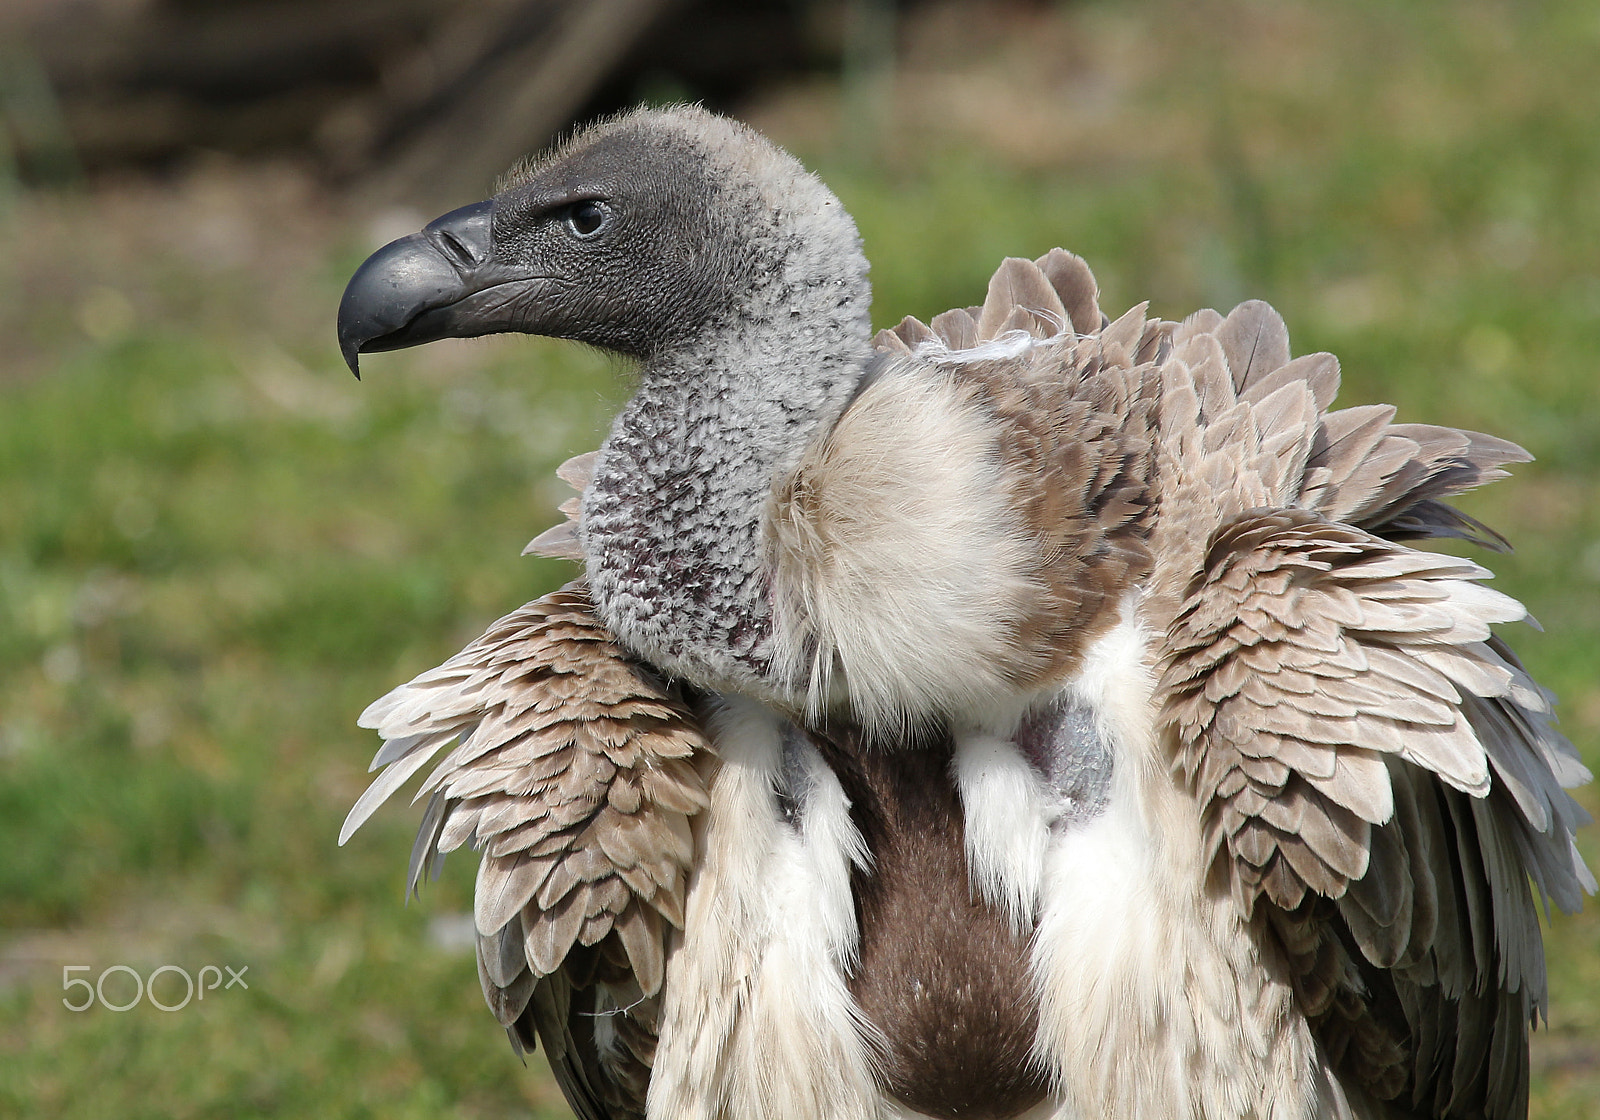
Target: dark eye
(586,218)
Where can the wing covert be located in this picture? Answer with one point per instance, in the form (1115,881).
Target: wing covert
(1378,776)
(573,772)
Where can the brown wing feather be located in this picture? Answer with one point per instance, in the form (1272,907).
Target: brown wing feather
(1389,842)
(1076,446)
(572,775)
(560,542)
(1053,295)
(1379,777)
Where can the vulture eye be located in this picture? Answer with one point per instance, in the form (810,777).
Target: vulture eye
(586,218)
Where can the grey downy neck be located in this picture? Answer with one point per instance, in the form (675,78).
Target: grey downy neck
(674,520)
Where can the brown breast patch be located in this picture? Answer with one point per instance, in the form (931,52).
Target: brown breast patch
(941,975)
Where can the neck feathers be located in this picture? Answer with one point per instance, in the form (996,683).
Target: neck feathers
(674,524)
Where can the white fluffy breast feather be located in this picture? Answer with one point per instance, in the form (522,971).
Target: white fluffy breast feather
(1007,815)
(1153,999)
(899,570)
(755,1000)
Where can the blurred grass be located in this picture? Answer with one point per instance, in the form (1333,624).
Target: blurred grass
(216,548)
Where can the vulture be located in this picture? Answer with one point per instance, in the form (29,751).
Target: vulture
(1026,713)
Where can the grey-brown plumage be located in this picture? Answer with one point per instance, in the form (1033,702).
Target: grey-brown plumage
(1076,423)
(573,774)
(1370,760)
(1061,718)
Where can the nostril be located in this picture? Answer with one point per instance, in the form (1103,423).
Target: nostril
(458,248)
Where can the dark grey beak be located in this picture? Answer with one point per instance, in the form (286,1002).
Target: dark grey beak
(427,286)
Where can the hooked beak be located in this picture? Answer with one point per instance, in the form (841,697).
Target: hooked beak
(442,282)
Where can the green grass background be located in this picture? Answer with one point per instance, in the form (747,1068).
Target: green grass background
(216,548)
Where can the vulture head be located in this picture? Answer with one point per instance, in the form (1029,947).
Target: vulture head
(736,279)
(642,235)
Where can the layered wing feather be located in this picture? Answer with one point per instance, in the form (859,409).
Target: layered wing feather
(560,541)
(572,774)
(1379,777)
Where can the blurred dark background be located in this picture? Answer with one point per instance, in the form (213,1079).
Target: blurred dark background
(377,93)
(216,547)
